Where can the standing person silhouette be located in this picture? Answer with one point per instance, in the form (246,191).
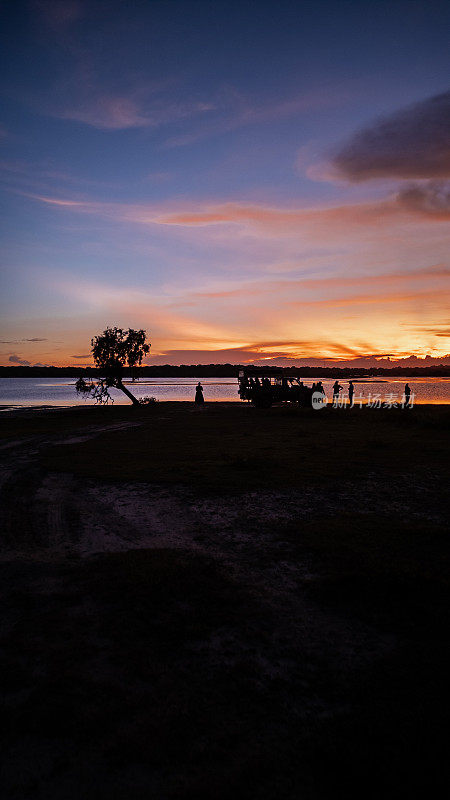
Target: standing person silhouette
(336,389)
(407,394)
(351,392)
(199,399)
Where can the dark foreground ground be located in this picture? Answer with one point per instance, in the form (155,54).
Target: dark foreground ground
(224,603)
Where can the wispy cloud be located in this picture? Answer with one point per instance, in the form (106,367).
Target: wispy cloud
(146,308)
(440,329)
(411,203)
(141,106)
(99,92)
(130,110)
(233,110)
(377,299)
(267,217)
(19,341)
(430,206)
(44,177)
(438,272)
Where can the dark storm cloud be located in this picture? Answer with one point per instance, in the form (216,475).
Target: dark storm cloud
(412,143)
(17,360)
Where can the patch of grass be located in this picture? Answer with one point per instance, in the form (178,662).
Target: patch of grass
(63,421)
(230,447)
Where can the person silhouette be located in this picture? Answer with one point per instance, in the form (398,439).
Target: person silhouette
(351,392)
(243,386)
(407,394)
(336,389)
(199,399)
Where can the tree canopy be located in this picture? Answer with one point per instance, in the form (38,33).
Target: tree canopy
(113,351)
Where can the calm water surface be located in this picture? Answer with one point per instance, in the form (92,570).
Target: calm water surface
(61,391)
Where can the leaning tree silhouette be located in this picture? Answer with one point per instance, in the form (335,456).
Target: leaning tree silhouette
(113,351)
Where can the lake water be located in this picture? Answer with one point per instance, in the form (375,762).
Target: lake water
(61,391)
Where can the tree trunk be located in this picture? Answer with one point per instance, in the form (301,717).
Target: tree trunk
(123,388)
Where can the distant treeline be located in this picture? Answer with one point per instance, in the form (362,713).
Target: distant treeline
(225,371)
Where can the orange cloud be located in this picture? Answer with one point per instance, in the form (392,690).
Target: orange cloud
(235,213)
(336,220)
(362,299)
(436,271)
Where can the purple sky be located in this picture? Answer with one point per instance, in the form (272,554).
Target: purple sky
(244,180)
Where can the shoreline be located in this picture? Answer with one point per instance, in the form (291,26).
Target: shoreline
(7,408)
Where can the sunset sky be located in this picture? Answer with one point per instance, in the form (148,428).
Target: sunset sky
(245,180)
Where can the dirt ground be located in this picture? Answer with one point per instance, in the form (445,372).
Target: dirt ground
(222,602)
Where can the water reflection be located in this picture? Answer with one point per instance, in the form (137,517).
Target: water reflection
(61,391)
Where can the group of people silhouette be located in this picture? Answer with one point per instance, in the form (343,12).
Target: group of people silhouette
(256,383)
(264,383)
(338,388)
(351,391)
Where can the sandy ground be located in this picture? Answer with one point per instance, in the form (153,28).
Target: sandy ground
(69,515)
(57,515)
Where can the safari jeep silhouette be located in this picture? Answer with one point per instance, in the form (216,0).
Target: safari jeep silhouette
(265,389)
